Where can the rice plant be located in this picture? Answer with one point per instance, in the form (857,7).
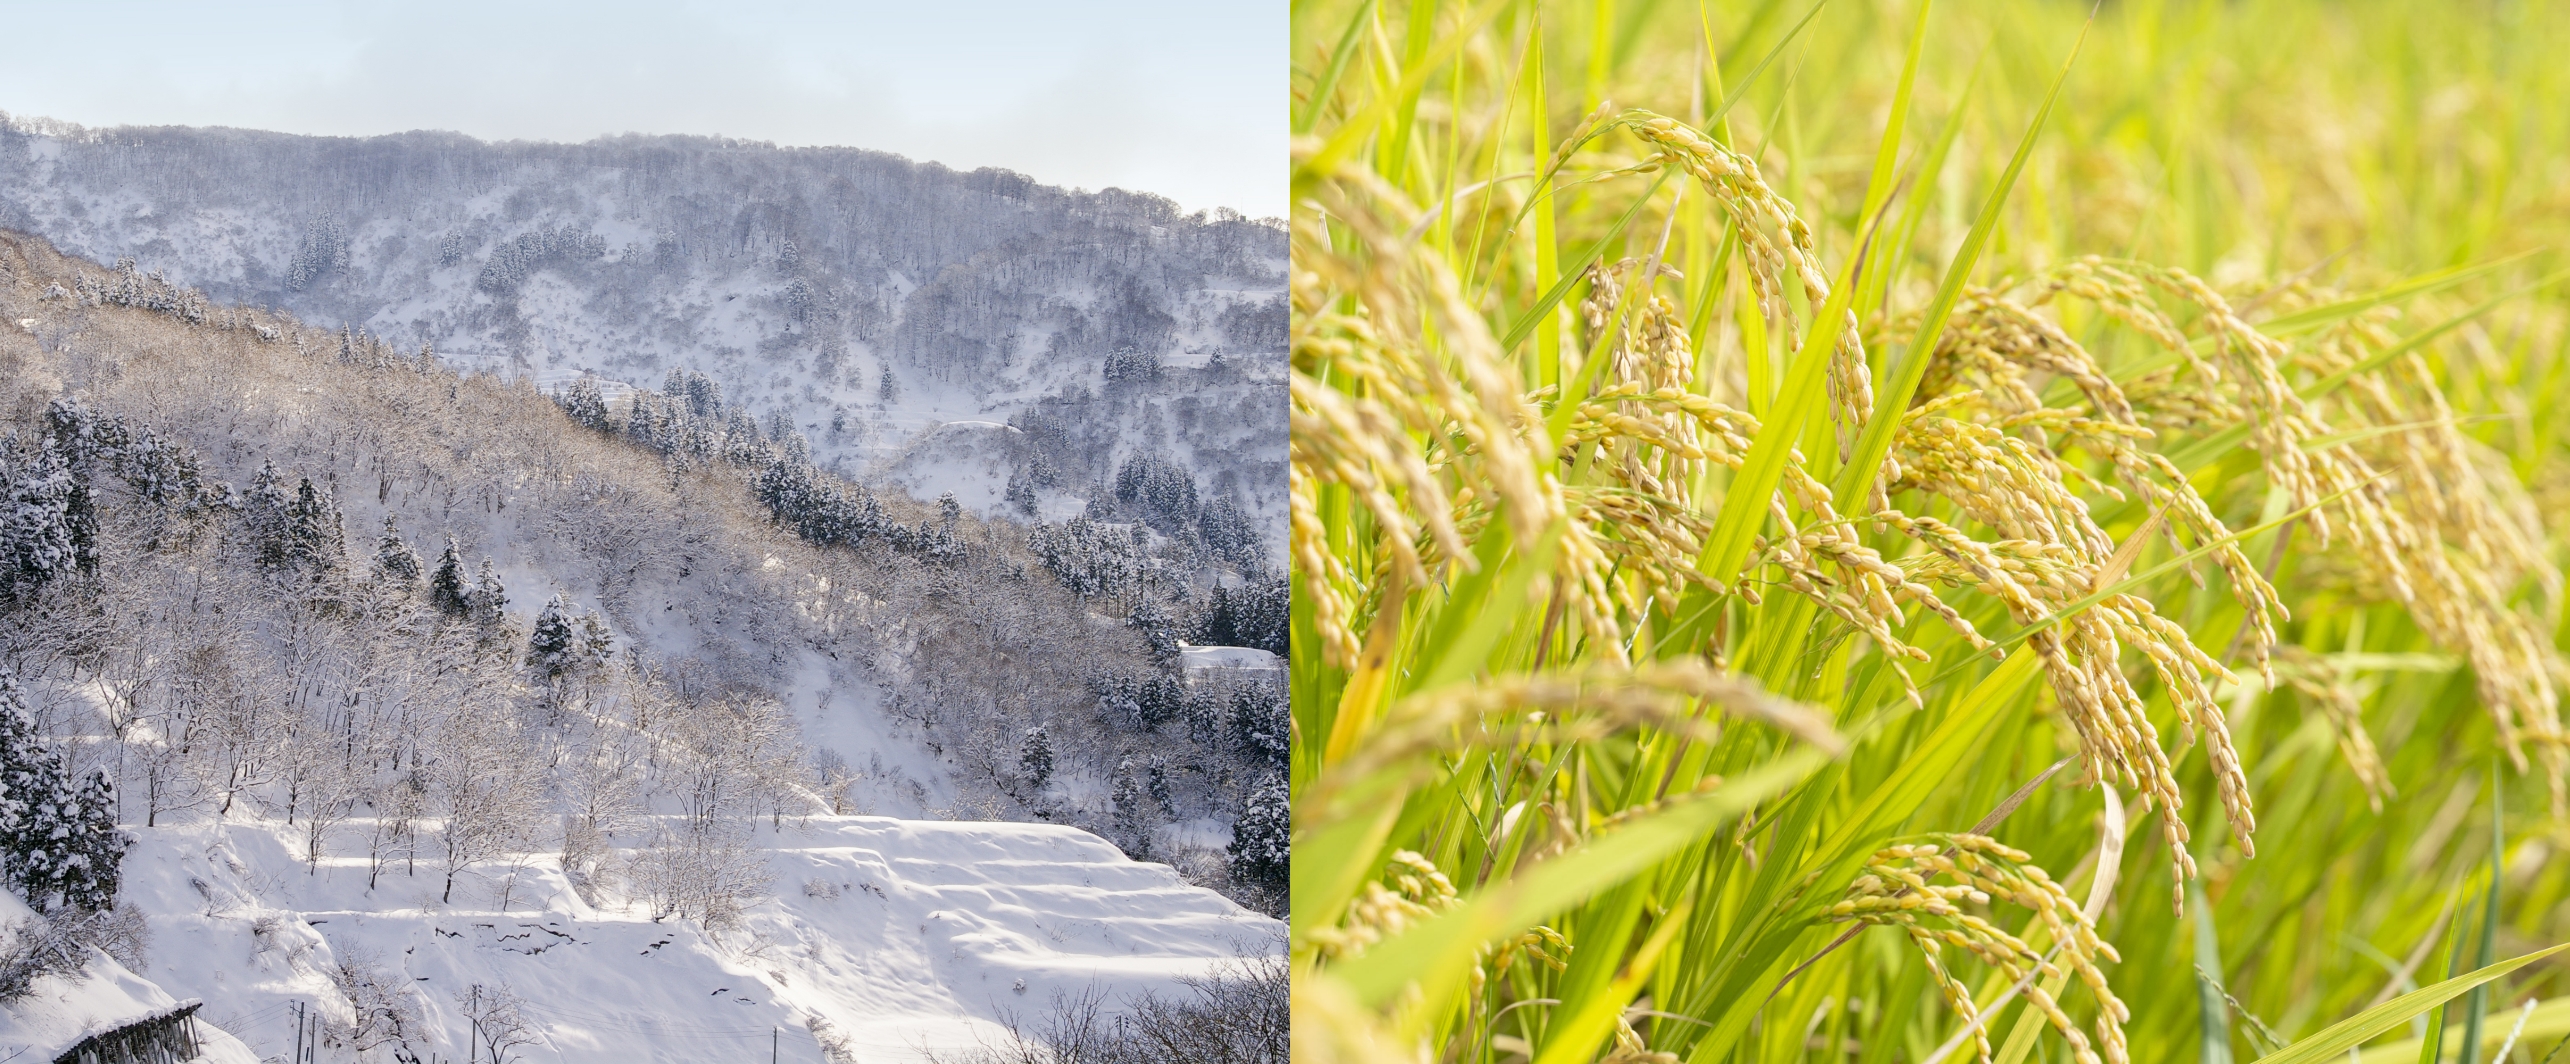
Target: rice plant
(1860,532)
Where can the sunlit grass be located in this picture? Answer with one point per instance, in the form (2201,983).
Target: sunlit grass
(2182,425)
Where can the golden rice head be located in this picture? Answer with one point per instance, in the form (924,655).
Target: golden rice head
(1776,242)
(1395,372)
(1925,887)
(1995,340)
(2325,687)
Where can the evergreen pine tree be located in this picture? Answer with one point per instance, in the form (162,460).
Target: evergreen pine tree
(315,542)
(1159,787)
(1204,717)
(35,521)
(1132,825)
(1159,632)
(1035,756)
(395,563)
(1262,839)
(98,851)
(38,838)
(1160,696)
(586,403)
(484,604)
(82,440)
(891,388)
(555,648)
(446,589)
(1020,495)
(594,644)
(265,515)
(80,526)
(1262,726)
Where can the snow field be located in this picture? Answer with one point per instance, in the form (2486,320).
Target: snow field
(896,936)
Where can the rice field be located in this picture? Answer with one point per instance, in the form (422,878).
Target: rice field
(1878,532)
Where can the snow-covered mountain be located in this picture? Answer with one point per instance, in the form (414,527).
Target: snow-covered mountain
(441,705)
(901,314)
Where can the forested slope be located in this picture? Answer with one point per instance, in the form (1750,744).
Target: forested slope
(869,299)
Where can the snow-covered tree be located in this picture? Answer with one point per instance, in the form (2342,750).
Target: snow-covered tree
(586,403)
(1159,632)
(1231,534)
(1158,784)
(396,565)
(80,524)
(1132,821)
(36,542)
(1020,494)
(1262,724)
(41,827)
(266,518)
(447,589)
(485,603)
(314,541)
(1205,716)
(1262,839)
(1035,757)
(567,641)
(1160,489)
(1257,615)
(96,869)
(549,650)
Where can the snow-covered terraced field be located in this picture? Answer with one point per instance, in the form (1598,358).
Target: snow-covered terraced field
(894,936)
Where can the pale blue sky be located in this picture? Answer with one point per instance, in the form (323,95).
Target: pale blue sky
(1181,99)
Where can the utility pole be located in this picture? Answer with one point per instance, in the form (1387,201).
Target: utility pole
(474,1047)
(771,1045)
(298,1032)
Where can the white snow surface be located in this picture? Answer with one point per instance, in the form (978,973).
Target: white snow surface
(1241,659)
(59,1012)
(897,936)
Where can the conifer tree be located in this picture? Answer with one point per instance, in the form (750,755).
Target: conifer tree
(1020,495)
(80,526)
(1159,787)
(265,515)
(594,644)
(1262,727)
(558,646)
(483,605)
(96,871)
(1262,839)
(35,521)
(1159,632)
(586,403)
(42,816)
(1035,756)
(446,589)
(395,563)
(1131,824)
(1204,717)
(315,542)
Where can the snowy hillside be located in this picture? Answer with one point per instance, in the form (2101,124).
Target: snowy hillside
(99,996)
(883,938)
(411,681)
(874,301)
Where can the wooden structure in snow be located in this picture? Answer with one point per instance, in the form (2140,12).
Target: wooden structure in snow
(168,1038)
